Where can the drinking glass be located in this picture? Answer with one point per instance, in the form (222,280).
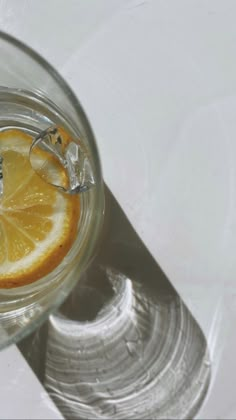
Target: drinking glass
(33,97)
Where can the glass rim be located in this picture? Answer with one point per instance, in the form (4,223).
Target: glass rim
(96,221)
(60,80)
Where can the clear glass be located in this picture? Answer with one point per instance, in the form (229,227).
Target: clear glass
(33,96)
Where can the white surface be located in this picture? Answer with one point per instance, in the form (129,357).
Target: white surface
(158,81)
(22,396)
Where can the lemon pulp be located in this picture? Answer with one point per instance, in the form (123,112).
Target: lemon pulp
(38,223)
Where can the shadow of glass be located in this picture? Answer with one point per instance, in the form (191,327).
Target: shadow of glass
(123,344)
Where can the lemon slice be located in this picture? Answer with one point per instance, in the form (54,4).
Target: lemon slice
(38,223)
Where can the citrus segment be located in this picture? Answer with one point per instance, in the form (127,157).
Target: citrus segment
(2,245)
(13,161)
(18,244)
(37,227)
(29,190)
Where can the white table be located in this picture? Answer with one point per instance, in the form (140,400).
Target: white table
(158,81)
